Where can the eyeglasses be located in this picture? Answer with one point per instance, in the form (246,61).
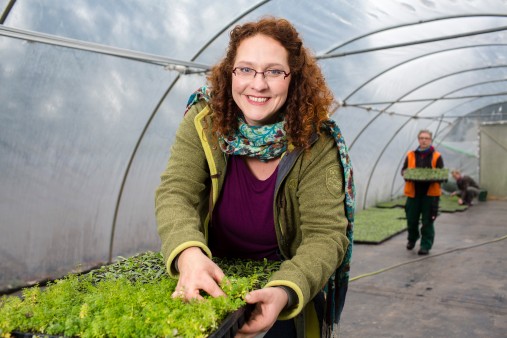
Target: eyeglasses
(424,138)
(269,74)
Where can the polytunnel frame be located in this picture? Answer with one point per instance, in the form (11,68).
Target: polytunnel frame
(410,118)
(360,105)
(154,112)
(399,100)
(328,54)
(185,68)
(182,67)
(442,116)
(466,115)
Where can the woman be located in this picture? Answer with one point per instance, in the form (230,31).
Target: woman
(253,156)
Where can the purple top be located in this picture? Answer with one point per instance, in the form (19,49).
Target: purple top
(243,223)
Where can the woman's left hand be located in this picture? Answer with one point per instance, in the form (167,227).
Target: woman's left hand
(269,303)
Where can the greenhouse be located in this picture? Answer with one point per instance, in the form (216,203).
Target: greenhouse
(93,91)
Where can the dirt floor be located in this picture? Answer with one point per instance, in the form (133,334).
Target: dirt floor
(459,290)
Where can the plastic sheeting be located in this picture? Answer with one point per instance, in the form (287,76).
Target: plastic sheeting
(493,145)
(92,93)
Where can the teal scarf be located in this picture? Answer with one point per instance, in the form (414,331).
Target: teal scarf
(262,142)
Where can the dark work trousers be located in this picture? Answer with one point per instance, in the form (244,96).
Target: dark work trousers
(287,328)
(282,329)
(421,207)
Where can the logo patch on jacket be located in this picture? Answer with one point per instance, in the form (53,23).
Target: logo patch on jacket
(334,180)
(292,184)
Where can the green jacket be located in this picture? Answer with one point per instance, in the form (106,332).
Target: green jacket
(309,209)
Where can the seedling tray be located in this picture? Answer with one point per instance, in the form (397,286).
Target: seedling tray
(426,174)
(132,284)
(228,329)
(32,335)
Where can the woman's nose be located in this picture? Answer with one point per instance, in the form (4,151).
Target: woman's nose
(259,82)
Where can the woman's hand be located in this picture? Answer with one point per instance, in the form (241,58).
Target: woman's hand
(197,272)
(269,303)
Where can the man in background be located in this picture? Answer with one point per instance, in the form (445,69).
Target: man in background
(422,197)
(468,189)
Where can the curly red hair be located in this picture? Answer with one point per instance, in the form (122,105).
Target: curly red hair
(309,99)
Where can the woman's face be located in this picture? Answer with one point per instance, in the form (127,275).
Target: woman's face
(259,97)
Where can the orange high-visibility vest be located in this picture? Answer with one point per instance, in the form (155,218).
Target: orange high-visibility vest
(434,188)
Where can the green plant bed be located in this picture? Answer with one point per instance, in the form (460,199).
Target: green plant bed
(426,174)
(450,204)
(376,225)
(395,203)
(131,298)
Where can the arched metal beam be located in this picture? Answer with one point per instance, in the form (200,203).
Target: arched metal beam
(441,117)
(411,91)
(226,27)
(55,40)
(419,57)
(467,115)
(390,103)
(388,143)
(168,63)
(328,53)
(385,110)
(417,42)
(150,119)
(7,11)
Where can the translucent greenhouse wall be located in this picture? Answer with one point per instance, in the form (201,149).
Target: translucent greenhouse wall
(493,158)
(91,103)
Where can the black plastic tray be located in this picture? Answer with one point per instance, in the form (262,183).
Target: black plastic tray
(32,335)
(233,322)
(428,181)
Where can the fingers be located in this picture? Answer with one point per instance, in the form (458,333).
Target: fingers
(186,295)
(192,291)
(178,293)
(256,325)
(214,290)
(269,303)
(217,274)
(197,272)
(273,295)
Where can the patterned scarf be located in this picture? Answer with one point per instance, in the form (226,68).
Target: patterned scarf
(263,142)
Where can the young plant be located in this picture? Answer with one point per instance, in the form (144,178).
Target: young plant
(131,298)
(426,174)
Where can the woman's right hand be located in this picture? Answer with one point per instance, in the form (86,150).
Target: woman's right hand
(197,272)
